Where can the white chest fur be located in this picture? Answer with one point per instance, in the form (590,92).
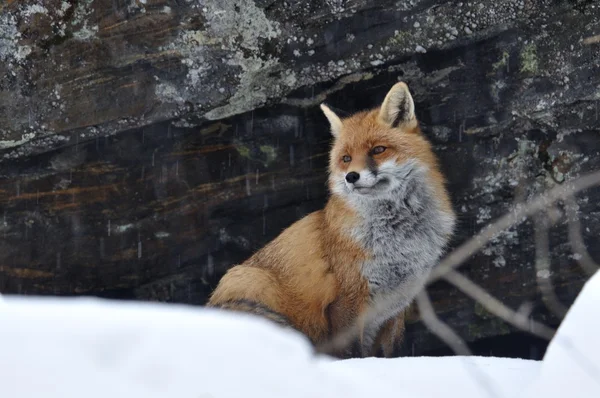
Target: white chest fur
(405,231)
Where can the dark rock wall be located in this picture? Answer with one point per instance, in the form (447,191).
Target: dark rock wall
(79,69)
(145,147)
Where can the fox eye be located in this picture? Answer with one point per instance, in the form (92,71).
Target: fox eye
(378,149)
(346,158)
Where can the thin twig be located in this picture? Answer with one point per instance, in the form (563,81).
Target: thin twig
(439,328)
(343,339)
(513,218)
(518,319)
(445,269)
(340,341)
(576,239)
(451,339)
(542,268)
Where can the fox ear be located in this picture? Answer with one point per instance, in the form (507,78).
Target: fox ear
(398,107)
(334,120)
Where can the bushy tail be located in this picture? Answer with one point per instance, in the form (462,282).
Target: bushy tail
(252,290)
(255,308)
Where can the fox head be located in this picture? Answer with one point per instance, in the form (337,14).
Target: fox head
(375,151)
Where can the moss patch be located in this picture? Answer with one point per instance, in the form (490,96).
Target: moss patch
(399,39)
(529,59)
(265,154)
(502,62)
(269,152)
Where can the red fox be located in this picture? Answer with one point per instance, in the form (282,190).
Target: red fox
(384,227)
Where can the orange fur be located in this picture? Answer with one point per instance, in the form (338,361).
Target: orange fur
(364,130)
(310,273)
(390,336)
(290,275)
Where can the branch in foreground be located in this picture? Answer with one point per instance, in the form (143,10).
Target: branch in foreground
(514,217)
(445,269)
(439,328)
(542,269)
(496,307)
(451,338)
(576,239)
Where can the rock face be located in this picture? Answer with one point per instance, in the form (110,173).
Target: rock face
(146,146)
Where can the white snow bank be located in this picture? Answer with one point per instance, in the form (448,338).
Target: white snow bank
(74,347)
(66,348)
(88,347)
(425,377)
(571,365)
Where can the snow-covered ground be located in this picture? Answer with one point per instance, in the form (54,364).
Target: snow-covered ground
(81,347)
(571,366)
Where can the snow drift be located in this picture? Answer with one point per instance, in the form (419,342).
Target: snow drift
(74,347)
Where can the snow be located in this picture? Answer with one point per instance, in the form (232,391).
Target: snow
(64,348)
(73,347)
(425,377)
(572,360)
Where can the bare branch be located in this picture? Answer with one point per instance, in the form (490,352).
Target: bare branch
(341,341)
(451,339)
(515,217)
(445,270)
(576,239)
(518,319)
(542,269)
(439,328)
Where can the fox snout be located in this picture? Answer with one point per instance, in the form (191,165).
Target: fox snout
(352,177)
(360,179)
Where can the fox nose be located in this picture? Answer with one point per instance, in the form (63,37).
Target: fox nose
(352,177)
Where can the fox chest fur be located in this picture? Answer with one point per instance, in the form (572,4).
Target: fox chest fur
(405,234)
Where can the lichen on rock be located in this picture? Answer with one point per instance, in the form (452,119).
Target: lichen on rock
(10,49)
